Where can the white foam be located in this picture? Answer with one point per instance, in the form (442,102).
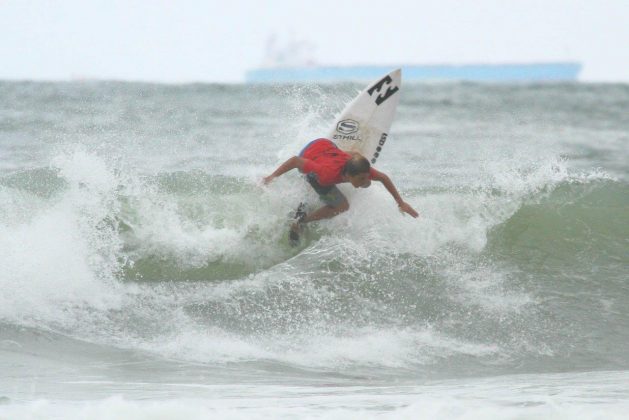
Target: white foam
(369,346)
(381,347)
(65,254)
(594,395)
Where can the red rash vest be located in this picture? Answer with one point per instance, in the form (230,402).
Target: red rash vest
(326,161)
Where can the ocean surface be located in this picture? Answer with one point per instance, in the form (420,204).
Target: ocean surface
(145,273)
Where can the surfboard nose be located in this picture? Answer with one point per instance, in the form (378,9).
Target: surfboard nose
(363,126)
(396,75)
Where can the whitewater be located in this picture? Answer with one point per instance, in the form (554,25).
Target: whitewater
(145,271)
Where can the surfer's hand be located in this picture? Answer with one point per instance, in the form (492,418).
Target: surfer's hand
(406,208)
(267,179)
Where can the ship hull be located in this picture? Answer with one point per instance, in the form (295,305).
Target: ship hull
(534,72)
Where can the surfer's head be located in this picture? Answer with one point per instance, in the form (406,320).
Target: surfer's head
(356,170)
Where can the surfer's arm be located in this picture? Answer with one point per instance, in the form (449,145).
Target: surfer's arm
(388,184)
(289,165)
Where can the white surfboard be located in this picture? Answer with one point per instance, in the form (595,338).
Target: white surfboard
(364,124)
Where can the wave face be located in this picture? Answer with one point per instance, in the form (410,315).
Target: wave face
(132,222)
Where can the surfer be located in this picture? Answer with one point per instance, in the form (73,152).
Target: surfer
(324,166)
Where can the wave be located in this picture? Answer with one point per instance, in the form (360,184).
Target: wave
(195,226)
(576,223)
(197,266)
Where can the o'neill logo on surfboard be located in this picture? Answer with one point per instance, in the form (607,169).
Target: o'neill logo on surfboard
(347,130)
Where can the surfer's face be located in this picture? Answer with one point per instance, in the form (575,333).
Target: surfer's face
(360,180)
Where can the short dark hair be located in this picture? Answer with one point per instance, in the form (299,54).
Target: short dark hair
(356,165)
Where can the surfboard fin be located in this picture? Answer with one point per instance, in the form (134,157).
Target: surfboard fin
(296,229)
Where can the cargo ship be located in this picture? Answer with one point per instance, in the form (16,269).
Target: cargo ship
(293,61)
(490,73)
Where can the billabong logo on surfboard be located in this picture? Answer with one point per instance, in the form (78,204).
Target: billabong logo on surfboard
(378,87)
(347,130)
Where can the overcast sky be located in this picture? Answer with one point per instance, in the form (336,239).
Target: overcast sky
(194,40)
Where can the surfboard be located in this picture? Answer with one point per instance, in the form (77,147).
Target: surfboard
(363,126)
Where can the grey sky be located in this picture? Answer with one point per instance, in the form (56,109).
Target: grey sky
(193,40)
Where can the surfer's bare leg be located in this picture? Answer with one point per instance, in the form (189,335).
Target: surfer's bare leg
(336,204)
(326,212)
